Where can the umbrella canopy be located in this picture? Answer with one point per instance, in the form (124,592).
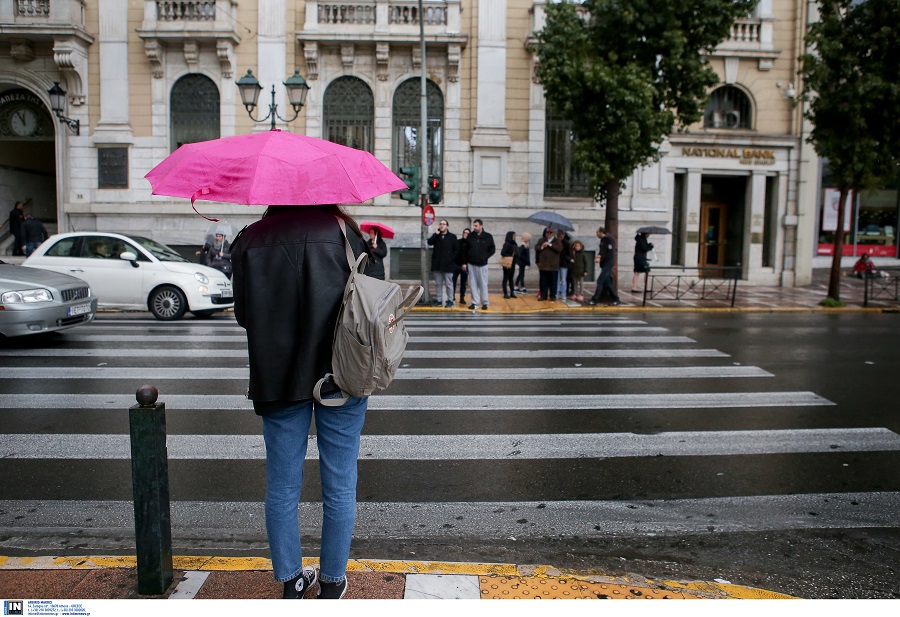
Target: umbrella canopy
(551,220)
(386,232)
(653,230)
(222,227)
(272,168)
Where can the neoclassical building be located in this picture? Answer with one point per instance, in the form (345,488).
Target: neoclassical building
(142,77)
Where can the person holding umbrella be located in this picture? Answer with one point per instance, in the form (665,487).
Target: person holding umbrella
(642,246)
(290,271)
(217,254)
(547,251)
(377,253)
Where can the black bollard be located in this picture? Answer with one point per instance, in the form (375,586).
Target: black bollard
(150,481)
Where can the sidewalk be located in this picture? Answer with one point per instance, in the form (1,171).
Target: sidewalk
(749,298)
(86,578)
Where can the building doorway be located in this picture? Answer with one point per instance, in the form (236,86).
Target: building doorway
(722,207)
(27,159)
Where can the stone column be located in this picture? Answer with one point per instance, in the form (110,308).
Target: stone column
(113,125)
(753,251)
(271,53)
(692,219)
(490,141)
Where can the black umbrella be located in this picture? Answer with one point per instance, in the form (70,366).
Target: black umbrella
(653,230)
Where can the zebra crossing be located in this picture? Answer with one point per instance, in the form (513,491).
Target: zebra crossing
(495,427)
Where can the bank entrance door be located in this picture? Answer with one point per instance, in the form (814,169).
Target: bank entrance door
(712,233)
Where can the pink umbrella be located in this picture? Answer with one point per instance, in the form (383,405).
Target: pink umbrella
(386,232)
(272,168)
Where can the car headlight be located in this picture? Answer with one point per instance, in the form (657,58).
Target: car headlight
(201,277)
(26,295)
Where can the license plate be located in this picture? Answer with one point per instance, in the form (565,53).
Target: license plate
(79,310)
(226,293)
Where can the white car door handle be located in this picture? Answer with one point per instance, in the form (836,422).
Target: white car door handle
(76,270)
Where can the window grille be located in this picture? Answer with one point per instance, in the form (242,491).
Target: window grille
(195,110)
(349,114)
(728,108)
(407,120)
(562,178)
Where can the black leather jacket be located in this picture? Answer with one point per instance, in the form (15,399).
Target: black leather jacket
(290,269)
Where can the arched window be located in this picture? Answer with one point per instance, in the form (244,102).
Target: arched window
(349,114)
(195,110)
(728,108)
(407,115)
(561,177)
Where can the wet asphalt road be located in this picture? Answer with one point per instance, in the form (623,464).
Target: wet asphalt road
(694,471)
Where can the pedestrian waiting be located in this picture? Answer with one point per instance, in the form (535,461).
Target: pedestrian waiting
(508,263)
(523,260)
(443,263)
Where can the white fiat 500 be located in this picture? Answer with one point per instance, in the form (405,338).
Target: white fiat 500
(131,272)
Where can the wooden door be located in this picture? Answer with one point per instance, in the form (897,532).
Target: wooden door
(712,234)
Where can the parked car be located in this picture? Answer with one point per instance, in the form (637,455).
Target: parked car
(34,301)
(136,273)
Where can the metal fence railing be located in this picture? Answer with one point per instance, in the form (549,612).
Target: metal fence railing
(882,286)
(703,283)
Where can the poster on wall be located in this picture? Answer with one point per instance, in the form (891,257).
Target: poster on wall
(830,210)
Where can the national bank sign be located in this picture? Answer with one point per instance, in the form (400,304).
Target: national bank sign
(746,156)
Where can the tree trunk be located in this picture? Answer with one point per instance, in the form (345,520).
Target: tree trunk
(612,224)
(834,281)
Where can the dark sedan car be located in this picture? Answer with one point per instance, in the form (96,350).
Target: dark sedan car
(34,301)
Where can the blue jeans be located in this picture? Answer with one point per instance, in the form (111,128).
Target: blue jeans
(286,435)
(561,282)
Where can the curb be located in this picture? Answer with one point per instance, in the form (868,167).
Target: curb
(498,576)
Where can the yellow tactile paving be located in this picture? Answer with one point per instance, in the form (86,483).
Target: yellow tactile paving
(497,587)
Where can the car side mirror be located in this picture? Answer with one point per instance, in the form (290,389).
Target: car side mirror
(129,256)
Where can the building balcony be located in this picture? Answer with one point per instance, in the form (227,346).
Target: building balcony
(25,22)
(189,25)
(387,25)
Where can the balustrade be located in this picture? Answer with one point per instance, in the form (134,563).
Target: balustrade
(186,10)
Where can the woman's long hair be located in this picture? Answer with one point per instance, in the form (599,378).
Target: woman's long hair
(332,209)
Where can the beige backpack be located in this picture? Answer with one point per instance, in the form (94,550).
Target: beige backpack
(369,336)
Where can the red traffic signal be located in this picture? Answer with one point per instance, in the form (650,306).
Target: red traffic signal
(435,189)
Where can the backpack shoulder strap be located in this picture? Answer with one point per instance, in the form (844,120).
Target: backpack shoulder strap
(355,263)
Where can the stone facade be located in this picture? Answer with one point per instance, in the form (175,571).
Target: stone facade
(118,62)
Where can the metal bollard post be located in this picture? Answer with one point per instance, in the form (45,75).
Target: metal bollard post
(150,481)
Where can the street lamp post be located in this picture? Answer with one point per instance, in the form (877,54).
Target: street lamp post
(250,89)
(58,105)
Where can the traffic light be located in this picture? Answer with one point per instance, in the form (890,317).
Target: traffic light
(435,189)
(410,175)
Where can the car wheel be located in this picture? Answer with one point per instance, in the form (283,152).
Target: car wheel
(167,303)
(202,314)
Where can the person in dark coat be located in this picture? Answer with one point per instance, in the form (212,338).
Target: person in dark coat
(377,253)
(547,252)
(443,263)
(642,246)
(508,263)
(16,218)
(290,270)
(523,260)
(565,259)
(606,257)
(33,234)
(217,254)
(459,273)
(479,248)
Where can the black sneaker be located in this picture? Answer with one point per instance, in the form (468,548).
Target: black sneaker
(296,587)
(471,307)
(616,303)
(448,304)
(523,290)
(331,591)
(592,303)
(484,307)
